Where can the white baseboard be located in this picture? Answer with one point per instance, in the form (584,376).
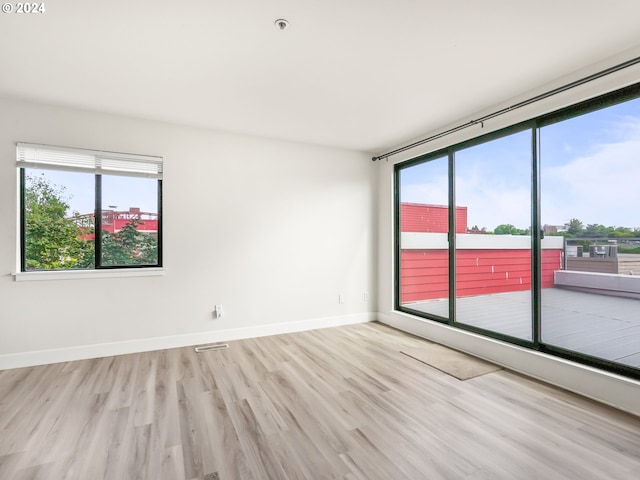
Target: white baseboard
(43,357)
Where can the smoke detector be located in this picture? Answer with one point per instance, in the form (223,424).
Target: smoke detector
(281,24)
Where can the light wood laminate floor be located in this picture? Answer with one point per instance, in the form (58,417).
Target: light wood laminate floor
(339,403)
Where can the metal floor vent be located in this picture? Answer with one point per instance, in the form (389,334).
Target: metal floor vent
(213,346)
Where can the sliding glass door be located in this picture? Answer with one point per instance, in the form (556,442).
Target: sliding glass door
(424,237)
(590,201)
(493,245)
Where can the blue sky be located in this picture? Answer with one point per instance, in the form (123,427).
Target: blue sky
(590,170)
(119,191)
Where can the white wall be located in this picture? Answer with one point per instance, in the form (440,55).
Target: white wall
(273,231)
(608,388)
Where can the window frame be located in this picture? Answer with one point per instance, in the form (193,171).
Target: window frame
(98,270)
(534,124)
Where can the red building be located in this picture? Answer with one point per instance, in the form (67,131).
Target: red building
(421,217)
(114,220)
(485,264)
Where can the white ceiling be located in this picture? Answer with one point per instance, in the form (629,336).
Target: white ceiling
(359,74)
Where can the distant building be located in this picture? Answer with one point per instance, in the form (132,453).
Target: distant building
(114,220)
(554,229)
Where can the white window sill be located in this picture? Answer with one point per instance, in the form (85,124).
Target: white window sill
(83,274)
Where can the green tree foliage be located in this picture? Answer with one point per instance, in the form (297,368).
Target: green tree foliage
(574,227)
(623,232)
(505,229)
(52,241)
(508,229)
(593,230)
(129,246)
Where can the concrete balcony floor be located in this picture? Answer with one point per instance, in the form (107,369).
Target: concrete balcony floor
(603,326)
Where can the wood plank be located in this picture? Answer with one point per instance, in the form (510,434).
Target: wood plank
(339,403)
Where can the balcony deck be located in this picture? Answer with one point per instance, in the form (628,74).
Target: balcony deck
(603,326)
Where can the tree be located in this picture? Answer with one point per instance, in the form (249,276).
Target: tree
(129,246)
(622,232)
(476,229)
(592,230)
(574,227)
(51,240)
(505,229)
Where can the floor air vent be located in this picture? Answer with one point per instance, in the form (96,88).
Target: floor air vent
(213,346)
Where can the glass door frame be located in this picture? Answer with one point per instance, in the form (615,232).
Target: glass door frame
(449,152)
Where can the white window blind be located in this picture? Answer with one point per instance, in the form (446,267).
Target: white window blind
(90,161)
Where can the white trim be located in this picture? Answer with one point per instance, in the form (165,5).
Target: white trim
(42,357)
(84,274)
(424,241)
(469,241)
(609,388)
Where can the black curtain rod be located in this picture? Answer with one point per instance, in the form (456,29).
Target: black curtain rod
(537,98)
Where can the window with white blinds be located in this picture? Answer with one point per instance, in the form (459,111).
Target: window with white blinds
(88,209)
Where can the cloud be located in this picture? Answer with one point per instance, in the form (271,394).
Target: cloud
(492,200)
(434,192)
(601,187)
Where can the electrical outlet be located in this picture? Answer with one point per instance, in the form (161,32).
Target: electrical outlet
(218,312)
(340,298)
(366,296)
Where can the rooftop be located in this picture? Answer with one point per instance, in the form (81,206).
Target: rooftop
(603,326)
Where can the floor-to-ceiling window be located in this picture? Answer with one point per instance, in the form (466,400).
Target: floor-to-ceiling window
(424,223)
(545,250)
(493,252)
(590,194)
